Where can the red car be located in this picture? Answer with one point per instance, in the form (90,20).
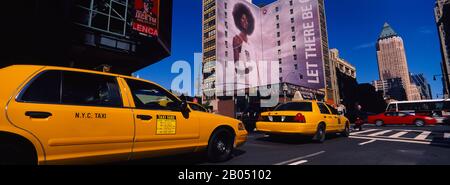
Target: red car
(396,118)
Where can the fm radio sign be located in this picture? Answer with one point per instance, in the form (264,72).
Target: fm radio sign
(146,17)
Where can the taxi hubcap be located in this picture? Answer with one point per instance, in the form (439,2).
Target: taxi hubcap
(221,146)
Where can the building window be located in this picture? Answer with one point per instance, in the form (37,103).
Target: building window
(281,79)
(226,5)
(294,48)
(295,57)
(226,15)
(278,34)
(292,20)
(226,44)
(279,52)
(292,11)
(279,43)
(293,38)
(226,34)
(280,61)
(296,66)
(276,9)
(226,24)
(278,17)
(291,3)
(226,53)
(293,29)
(108,16)
(281,70)
(278,25)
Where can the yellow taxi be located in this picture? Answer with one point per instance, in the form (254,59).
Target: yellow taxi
(312,118)
(56,115)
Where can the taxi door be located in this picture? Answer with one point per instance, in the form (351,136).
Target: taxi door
(161,127)
(337,118)
(77,117)
(330,119)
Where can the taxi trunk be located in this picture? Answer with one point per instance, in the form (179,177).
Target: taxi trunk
(286,122)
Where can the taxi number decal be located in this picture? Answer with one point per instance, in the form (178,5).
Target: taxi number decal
(166,125)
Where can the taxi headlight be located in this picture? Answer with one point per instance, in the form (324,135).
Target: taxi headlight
(241,126)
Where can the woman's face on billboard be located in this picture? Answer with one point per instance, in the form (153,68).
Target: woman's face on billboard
(148,5)
(244,22)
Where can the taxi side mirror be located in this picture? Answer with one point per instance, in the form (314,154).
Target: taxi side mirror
(184,104)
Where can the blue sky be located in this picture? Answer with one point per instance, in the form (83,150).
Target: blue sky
(353,28)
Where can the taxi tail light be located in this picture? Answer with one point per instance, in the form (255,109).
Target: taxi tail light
(300,118)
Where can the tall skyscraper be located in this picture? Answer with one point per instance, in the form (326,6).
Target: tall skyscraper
(442,14)
(291,33)
(392,59)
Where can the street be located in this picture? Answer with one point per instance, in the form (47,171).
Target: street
(390,145)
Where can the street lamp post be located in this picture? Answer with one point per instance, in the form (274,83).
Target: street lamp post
(447,91)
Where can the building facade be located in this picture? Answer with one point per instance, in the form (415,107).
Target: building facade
(125,35)
(290,33)
(392,89)
(442,14)
(423,86)
(392,61)
(339,65)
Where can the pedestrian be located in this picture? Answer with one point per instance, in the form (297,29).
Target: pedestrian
(342,109)
(360,117)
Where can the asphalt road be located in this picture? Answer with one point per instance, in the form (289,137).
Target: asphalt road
(390,145)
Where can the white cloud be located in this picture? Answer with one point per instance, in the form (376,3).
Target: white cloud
(425,30)
(365,45)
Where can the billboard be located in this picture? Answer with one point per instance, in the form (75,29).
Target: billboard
(146,17)
(286,32)
(239,44)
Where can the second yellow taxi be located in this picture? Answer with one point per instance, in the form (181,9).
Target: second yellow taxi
(311,118)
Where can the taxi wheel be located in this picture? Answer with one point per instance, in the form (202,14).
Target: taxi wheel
(220,146)
(320,135)
(16,154)
(346,131)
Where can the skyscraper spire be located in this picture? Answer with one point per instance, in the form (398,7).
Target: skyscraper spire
(392,64)
(387,32)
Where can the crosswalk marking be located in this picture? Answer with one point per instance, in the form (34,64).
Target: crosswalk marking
(426,137)
(397,135)
(380,133)
(393,140)
(423,135)
(366,131)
